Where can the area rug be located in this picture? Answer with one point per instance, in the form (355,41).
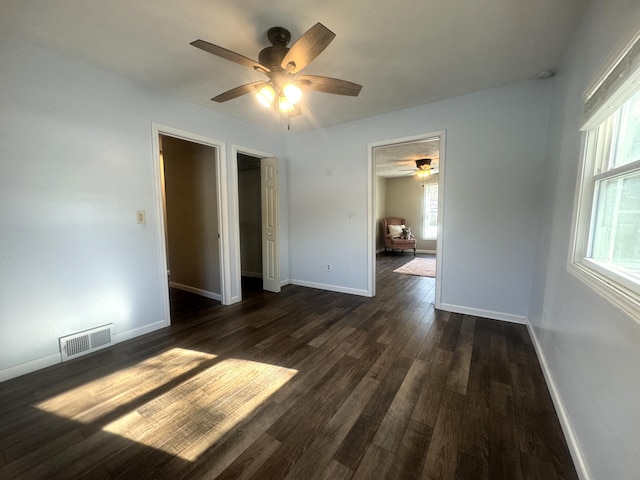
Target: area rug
(422,267)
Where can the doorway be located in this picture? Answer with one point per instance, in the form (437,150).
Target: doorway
(227,238)
(250,223)
(258,225)
(190,204)
(402,183)
(191,216)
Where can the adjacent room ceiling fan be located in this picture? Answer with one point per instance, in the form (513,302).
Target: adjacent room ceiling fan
(423,168)
(282,65)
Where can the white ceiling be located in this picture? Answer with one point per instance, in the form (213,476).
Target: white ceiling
(405,53)
(399,160)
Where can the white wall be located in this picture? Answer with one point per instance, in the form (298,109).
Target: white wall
(495,152)
(592,351)
(76,163)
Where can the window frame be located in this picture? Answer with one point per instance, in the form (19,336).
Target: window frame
(598,133)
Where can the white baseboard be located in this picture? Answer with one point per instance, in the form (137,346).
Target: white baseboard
(44,362)
(505,317)
(284,282)
(137,332)
(565,423)
(197,291)
(28,367)
(331,288)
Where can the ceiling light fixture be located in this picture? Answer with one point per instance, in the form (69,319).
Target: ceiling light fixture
(423,167)
(288,96)
(292,92)
(284,105)
(266,95)
(283,65)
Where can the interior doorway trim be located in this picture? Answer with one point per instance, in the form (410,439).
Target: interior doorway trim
(234,214)
(371,202)
(223,218)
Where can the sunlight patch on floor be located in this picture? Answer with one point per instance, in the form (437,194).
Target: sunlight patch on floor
(208,397)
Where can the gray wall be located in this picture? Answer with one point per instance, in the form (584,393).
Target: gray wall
(192,214)
(591,350)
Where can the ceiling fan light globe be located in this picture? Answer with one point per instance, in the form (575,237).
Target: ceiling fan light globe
(285,105)
(292,93)
(423,173)
(266,95)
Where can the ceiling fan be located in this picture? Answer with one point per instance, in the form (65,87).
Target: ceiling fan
(282,65)
(423,168)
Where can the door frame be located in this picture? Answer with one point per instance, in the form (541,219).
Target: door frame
(371,211)
(160,194)
(234,214)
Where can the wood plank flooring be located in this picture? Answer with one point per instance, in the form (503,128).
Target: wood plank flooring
(306,384)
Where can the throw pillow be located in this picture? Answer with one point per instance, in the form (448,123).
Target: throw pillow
(396,230)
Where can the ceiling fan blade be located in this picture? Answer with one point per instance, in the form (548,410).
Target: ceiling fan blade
(329,85)
(229,55)
(239,91)
(307,47)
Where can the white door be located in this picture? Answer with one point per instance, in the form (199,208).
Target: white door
(269,195)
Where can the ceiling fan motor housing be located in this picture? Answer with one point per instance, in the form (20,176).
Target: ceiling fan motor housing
(279,36)
(272,56)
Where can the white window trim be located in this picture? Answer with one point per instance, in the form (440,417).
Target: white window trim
(612,285)
(622,298)
(424,208)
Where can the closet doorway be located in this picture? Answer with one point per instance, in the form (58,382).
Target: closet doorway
(258,222)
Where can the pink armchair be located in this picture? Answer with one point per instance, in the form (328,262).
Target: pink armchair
(392,241)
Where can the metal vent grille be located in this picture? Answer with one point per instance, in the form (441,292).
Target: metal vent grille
(100,338)
(81,343)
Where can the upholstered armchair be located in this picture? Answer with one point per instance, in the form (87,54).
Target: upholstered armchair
(393,236)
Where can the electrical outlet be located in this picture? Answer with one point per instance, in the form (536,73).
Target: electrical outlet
(328,267)
(545,319)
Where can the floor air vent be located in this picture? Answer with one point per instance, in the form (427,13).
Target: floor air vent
(85,342)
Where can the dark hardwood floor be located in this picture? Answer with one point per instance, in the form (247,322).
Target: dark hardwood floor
(306,384)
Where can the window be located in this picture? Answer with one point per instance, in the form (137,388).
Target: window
(606,243)
(430,212)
